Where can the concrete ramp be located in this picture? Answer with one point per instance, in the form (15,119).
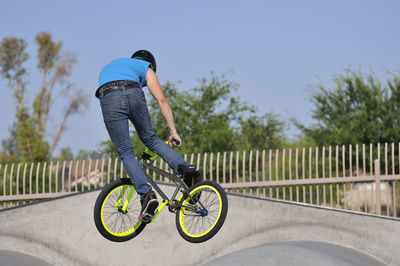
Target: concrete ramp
(308,253)
(62,232)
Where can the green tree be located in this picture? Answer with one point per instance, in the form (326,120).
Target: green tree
(9,147)
(65,154)
(32,131)
(265,132)
(87,155)
(12,59)
(205,115)
(359,109)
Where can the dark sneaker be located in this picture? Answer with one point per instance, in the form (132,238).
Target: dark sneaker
(149,206)
(190,175)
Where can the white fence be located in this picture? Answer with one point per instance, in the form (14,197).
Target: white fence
(357,177)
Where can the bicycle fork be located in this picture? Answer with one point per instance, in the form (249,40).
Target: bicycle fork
(118,205)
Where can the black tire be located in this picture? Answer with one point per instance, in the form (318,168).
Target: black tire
(129,220)
(215,202)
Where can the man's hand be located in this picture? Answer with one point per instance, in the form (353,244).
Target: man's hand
(173,137)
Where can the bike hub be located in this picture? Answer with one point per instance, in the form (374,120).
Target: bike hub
(121,210)
(203,212)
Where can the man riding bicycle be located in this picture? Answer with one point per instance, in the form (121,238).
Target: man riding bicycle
(122,99)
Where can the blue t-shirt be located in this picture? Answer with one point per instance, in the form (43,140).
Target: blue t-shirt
(125,69)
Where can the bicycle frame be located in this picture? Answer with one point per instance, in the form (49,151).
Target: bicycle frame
(166,201)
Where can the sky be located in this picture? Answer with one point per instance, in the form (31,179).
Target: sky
(275,50)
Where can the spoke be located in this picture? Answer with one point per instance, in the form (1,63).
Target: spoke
(113,224)
(213,215)
(190,219)
(193,215)
(202,224)
(107,214)
(131,222)
(191,224)
(214,201)
(122,223)
(108,218)
(126,223)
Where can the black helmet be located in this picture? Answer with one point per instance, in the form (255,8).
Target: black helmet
(146,56)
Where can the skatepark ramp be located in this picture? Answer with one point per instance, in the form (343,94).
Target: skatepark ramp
(62,232)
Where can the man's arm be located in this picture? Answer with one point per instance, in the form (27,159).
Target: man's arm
(155,89)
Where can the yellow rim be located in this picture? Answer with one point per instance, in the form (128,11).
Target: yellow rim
(182,211)
(126,233)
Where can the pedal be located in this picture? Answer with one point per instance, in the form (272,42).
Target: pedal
(146,218)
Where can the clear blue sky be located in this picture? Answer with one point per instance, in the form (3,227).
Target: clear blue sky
(276,49)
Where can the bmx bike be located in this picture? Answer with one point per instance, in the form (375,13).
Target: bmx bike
(200,210)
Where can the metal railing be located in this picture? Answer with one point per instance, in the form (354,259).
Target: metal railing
(361,177)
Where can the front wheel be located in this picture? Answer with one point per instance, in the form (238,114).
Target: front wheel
(203,213)
(117,210)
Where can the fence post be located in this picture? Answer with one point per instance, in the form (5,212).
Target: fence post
(378,187)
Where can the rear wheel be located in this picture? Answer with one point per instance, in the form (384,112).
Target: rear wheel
(201,221)
(115,217)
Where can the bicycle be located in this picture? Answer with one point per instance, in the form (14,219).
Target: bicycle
(200,210)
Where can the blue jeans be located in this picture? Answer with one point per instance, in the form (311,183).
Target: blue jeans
(118,107)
